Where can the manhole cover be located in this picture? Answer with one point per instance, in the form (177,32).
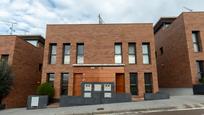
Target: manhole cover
(100,109)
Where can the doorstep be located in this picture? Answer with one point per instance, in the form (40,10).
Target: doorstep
(137,99)
(53,105)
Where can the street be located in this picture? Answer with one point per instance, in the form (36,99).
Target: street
(176,112)
(172,106)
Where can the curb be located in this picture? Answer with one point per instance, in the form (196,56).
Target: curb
(134,110)
(127,110)
(150,110)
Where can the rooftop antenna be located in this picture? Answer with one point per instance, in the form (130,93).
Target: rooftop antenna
(100,19)
(190,10)
(11,28)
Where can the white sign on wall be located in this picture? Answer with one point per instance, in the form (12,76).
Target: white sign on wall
(87,87)
(97,87)
(87,95)
(107,95)
(34,101)
(107,87)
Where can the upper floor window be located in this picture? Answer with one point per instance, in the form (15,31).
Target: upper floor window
(146,53)
(66,53)
(40,67)
(161,50)
(51,78)
(80,53)
(5,58)
(33,42)
(165,25)
(196,41)
(132,53)
(118,53)
(52,53)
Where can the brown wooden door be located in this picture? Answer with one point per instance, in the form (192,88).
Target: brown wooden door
(120,83)
(77,84)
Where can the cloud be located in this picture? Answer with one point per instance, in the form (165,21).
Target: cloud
(32,16)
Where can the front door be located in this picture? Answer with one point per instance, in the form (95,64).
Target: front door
(120,83)
(77,84)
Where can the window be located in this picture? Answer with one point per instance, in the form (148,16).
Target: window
(80,53)
(53,53)
(5,58)
(66,54)
(161,50)
(146,53)
(148,82)
(166,25)
(133,84)
(40,67)
(132,53)
(51,78)
(200,69)
(64,83)
(196,41)
(118,53)
(33,42)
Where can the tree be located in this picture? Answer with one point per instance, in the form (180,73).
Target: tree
(6,80)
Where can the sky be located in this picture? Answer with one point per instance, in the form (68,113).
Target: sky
(31,16)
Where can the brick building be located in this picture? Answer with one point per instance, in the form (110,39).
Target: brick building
(120,53)
(26,63)
(180,55)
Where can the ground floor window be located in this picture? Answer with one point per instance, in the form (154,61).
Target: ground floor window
(200,69)
(133,84)
(148,82)
(64,83)
(51,78)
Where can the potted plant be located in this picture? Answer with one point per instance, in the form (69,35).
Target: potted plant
(198,89)
(45,93)
(6,78)
(46,89)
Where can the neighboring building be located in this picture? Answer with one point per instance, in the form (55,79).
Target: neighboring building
(120,53)
(26,63)
(179,48)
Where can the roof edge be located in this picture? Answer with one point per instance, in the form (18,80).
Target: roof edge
(101,24)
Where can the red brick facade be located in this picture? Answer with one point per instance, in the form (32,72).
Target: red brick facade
(99,40)
(177,65)
(24,59)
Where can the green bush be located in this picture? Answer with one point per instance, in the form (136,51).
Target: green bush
(45,89)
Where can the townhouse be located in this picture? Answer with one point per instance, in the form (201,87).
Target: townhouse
(179,50)
(123,54)
(25,55)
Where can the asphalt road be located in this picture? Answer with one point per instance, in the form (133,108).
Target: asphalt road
(181,112)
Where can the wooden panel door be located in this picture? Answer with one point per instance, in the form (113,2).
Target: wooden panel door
(77,84)
(120,83)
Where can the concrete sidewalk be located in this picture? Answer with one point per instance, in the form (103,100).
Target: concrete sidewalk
(175,102)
